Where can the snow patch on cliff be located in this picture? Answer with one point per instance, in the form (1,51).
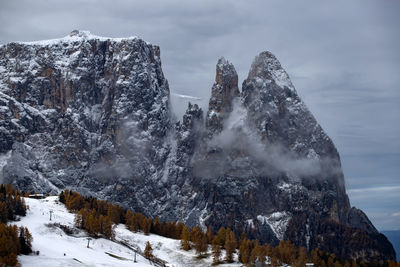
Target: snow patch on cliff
(266,61)
(77,36)
(278,222)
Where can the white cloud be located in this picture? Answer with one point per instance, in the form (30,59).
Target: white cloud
(380,189)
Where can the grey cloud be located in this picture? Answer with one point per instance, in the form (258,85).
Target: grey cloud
(342,56)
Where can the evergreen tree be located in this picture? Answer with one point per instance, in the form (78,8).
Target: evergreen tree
(185,238)
(157,227)
(108,230)
(269,250)
(216,251)
(146,225)
(78,221)
(230,245)
(244,250)
(3,212)
(148,251)
(210,235)
(315,257)
(61,197)
(200,244)
(13,241)
(11,203)
(195,234)
(301,258)
(331,261)
(25,240)
(114,213)
(179,229)
(92,223)
(286,252)
(253,255)
(221,236)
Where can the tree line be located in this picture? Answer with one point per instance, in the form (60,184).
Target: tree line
(344,240)
(11,203)
(13,240)
(97,217)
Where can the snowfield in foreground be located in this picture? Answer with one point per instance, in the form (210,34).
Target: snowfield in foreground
(52,242)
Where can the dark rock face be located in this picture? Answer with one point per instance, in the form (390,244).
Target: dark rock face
(92,114)
(280,117)
(83,112)
(224,90)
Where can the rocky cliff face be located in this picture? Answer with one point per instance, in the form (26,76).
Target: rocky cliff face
(83,112)
(224,90)
(92,114)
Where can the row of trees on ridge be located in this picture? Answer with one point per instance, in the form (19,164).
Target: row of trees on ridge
(14,240)
(95,216)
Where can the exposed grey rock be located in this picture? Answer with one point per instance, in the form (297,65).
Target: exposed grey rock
(92,114)
(280,117)
(224,90)
(358,219)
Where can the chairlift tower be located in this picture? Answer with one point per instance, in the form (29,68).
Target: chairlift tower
(88,240)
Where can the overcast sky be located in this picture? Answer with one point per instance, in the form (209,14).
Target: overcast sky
(342,56)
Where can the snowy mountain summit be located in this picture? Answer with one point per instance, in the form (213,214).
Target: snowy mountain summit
(92,114)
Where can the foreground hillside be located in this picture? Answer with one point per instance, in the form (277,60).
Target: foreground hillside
(60,241)
(52,242)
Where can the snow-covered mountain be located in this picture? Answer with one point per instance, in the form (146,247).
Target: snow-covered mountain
(93,114)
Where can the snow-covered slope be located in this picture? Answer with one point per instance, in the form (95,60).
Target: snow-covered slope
(52,242)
